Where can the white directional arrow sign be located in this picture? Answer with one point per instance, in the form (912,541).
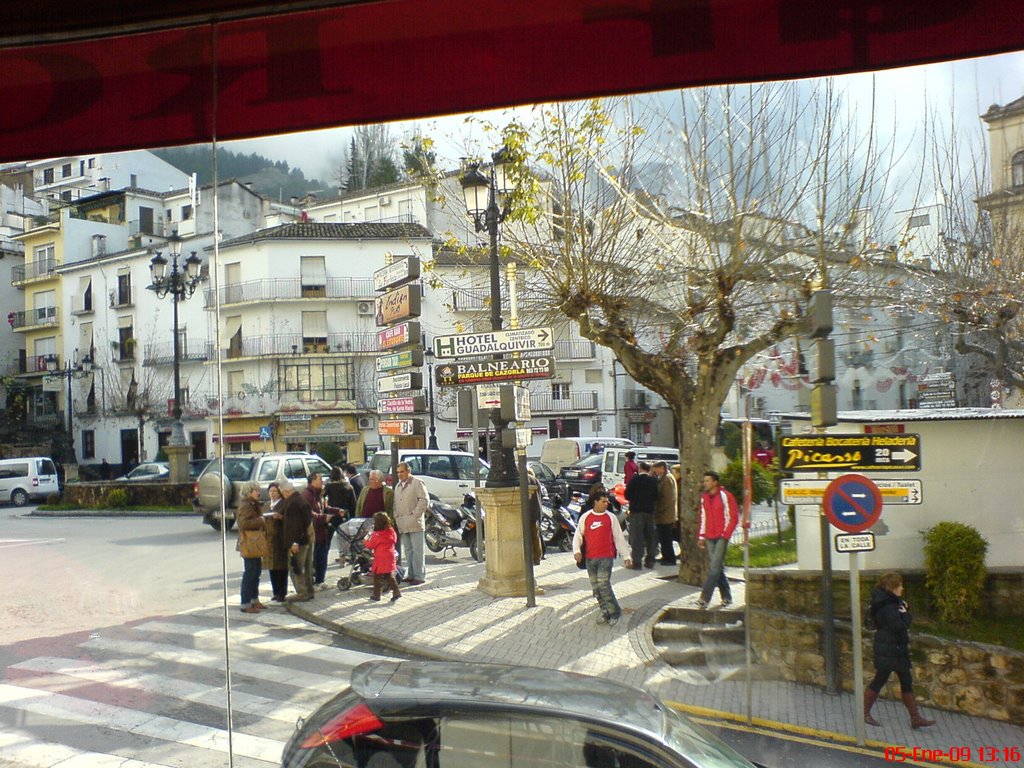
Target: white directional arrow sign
(494,342)
(906,455)
(813,491)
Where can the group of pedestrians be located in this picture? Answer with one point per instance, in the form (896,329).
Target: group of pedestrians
(653,496)
(292,533)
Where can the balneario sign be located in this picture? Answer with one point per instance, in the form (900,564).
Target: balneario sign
(861,452)
(494,371)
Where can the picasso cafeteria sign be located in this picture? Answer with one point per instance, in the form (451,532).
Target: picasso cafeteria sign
(867,453)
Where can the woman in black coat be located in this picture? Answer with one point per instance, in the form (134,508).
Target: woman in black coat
(891,618)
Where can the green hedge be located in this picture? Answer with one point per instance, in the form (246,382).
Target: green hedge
(954,558)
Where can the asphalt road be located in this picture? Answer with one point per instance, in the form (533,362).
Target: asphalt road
(113,643)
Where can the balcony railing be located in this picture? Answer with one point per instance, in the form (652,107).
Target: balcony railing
(474,301)
(575,349)
(37,363)
(292,288)
(163,353)
(33,269)
(121,297)
(577,402)
(139,227)
(636,398)
(279,345)
(32,318)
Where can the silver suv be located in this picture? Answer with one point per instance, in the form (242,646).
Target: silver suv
(239,468)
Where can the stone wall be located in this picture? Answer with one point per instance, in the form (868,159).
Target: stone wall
(88,495)
(972,678)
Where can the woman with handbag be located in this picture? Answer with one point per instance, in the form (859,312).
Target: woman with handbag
(252,544)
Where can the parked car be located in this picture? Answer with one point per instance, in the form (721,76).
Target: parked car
(196,467)
(582,475)
(555,485)
(613,461)
(405,713)
(147,472)
(29,478)
(240,468)
(447,474)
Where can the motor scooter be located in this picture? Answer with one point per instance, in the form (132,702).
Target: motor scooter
(557,524)
(448,527)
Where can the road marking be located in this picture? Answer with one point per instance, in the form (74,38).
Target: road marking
(11,543)
(88,712)
(24,750)
(282,646)
(116,675)
(200,658)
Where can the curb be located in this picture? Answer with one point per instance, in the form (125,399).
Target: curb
(110,513)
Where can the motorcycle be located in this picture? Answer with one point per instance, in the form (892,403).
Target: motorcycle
(557,524)
(449,527)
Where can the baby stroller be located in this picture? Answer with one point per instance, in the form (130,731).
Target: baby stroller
(356,559)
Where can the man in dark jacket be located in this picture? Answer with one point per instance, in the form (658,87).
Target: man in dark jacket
(298,532)
(666,515)
(642,495)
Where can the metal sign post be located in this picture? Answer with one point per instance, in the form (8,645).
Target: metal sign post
(858,649)
(853,503)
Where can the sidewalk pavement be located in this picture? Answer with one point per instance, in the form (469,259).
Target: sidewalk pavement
(450,618)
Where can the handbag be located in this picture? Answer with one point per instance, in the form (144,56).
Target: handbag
(582,564)
(252,543)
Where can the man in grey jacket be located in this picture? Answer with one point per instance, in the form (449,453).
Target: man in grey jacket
(410,512)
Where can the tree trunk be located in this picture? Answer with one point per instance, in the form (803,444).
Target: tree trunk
(698,426)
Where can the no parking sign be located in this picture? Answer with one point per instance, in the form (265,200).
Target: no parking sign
(853,503)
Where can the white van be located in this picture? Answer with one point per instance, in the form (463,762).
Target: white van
(558,452)
(30,478)
(613,466)
(447,474)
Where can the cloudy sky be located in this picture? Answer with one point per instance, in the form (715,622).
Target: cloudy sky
(904,96)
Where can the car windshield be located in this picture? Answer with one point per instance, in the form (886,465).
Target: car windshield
(236,468)
(701,747)
(464,467)
(588,461)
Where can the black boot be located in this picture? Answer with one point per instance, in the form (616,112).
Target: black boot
(869,701)
(917,720)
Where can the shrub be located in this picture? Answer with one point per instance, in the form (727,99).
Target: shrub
(762,481)
(115,498)
(954,559)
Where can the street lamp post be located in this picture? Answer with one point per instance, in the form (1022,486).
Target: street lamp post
(180,283)
(429,355)
(487,204)
(69,372)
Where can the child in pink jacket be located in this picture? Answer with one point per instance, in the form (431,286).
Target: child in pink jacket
(382,543)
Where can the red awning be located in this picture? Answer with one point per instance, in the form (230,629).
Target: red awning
(237,77)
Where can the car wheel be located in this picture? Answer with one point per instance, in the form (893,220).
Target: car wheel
(214,522)
(565,545)
(19,498)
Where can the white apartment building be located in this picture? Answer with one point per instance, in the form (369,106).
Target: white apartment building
(297,333)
